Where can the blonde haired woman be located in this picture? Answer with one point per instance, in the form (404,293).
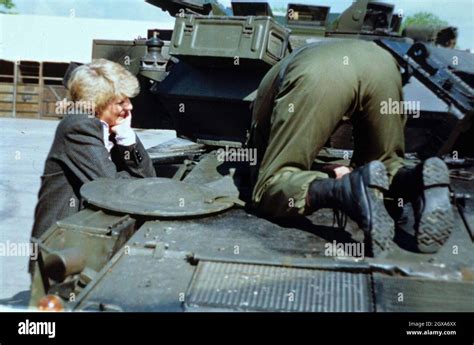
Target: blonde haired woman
(87,147)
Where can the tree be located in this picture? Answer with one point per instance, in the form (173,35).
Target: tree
(6,5)
(423,19)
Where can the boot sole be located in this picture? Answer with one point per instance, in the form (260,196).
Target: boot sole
(382,228)
(437,219)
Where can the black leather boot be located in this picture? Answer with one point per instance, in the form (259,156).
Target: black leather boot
(360,196)
(426,187)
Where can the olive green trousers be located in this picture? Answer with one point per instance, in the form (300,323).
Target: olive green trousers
(298,106)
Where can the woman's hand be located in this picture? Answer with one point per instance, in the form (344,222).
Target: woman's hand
(125,135)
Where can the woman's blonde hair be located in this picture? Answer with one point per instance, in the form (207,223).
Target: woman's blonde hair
(101,81)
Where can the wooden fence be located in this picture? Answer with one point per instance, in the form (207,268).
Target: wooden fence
(30,88)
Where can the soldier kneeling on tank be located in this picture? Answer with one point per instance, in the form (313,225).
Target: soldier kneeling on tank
(94,139)
(299,104)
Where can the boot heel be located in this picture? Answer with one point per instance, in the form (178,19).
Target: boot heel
(382,227)
(435,172)
(377,176)
(437,219)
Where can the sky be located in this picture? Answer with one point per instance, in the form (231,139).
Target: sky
(456,12)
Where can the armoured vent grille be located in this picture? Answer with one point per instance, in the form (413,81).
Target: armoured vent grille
(218,285)
(394,294)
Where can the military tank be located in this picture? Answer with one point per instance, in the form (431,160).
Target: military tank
(188,241)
